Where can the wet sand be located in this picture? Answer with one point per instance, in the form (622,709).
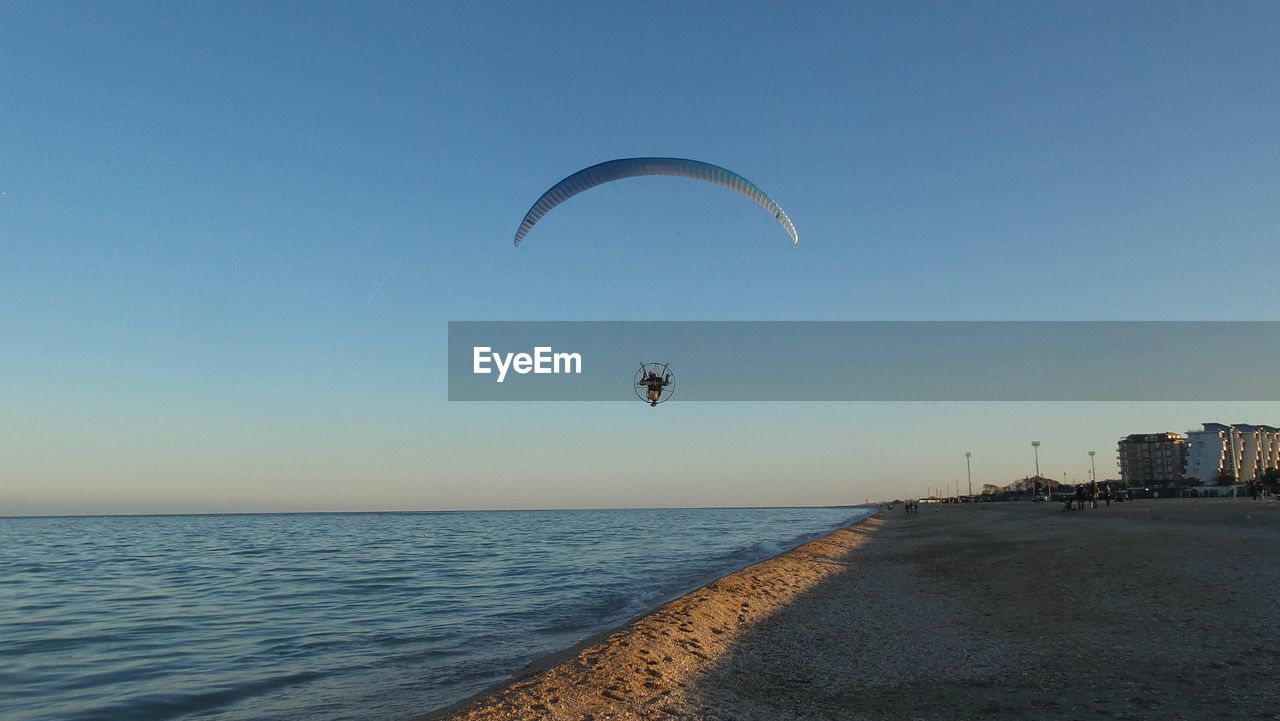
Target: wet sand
(1161,609)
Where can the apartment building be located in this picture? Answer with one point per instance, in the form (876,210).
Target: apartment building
(1152,458)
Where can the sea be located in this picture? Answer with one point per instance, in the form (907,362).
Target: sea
(337,615)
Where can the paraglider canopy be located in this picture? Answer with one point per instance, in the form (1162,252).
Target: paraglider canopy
(612,170)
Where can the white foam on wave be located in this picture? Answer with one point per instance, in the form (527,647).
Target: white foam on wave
(764,549)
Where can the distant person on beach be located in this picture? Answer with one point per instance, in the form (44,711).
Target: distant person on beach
(1093,494)
(655,386)
(1080,496)
(1253,490)
(1106,494)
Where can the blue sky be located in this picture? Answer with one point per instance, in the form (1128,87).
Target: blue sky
(232,235)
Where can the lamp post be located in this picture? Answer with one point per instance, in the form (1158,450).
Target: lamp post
(1093,470)
(969,471)
(1036,445)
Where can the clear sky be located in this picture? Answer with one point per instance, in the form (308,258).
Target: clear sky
(232,234)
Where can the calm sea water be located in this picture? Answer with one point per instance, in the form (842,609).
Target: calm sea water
(335,616)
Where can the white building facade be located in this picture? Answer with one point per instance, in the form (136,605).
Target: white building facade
(1241,450)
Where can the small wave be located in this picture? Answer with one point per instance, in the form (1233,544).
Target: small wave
(765,549)
(176,705)
(637,603)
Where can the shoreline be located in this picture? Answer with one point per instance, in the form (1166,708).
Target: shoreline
(550,661)
(1147,609)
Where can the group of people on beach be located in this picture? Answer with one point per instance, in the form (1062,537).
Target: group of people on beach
(912,507)
(1091,493)
(1255,490)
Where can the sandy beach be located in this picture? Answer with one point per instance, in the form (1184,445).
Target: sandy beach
(1162,609)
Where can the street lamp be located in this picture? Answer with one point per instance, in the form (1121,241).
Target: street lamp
(1093,470)
(1036,446)
(969,471)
